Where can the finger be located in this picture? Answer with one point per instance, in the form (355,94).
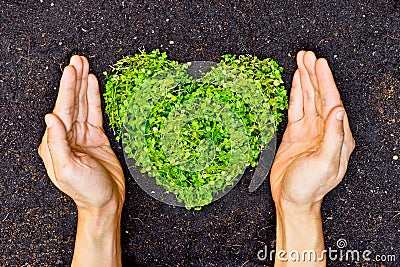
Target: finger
(95,116)
(83,101)
(60,151)
(348,138)
(332,142)
(296,111)
(64,107)
(76,61)
(330,96)
(309,62)
(307,88)
(44,153)
(347,148)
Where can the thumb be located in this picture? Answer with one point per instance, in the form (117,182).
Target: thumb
(57,142)
(332,142)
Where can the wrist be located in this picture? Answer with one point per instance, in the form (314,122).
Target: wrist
(100,223)
(99,220)
(111,208)
(294,221)
(299,228)
(92,213)
(98,237)
(298,219)
(291,209)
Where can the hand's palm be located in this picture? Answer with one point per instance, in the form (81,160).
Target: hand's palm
(294,157)
(78,158)
(96,168)
(315,148)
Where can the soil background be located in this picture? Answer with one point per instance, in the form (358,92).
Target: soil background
(361,41)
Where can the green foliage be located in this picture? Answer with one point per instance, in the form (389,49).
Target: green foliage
(195,136)
(268,76)
(127,75)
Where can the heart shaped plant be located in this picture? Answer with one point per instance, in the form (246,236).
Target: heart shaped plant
(194,136)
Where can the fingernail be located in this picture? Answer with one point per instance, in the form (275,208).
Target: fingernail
(49,121)
(340,115)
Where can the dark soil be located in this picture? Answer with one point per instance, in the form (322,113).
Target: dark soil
(360,39)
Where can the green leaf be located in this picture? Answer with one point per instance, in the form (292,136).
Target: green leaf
(196,188)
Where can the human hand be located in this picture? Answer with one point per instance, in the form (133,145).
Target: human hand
(313,156)
(75,150)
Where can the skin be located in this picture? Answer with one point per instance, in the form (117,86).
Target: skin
(311,160)
(80,162)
